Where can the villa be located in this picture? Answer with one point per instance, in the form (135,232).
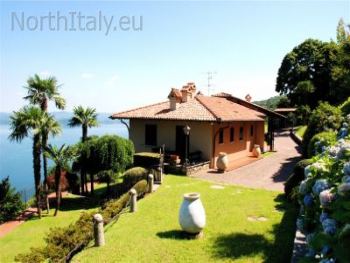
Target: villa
(217,123)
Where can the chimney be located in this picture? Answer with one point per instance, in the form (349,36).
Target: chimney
(172,101)
(188,91)
(174,98)
(248,98)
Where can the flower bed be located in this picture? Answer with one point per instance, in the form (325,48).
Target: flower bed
(324,197)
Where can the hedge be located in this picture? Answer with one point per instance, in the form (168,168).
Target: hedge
(146,159)
(134,175)
(296,177)
(61,241)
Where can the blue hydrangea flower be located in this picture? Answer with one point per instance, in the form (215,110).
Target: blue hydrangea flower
(343,132)
(302,187)
(329,226)
(319,186)
(307,171)
(300,224)
(346,168)
(346,179)
(325,250)
(344,189)
(308,200)
(323,216)
(327,260)
(310,253)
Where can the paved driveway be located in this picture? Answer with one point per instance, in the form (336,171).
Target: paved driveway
(267,173)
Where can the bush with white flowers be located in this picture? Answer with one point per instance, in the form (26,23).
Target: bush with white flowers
(324,197)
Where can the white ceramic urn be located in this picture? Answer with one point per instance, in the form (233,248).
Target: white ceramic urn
(256,150)
(192,214)
(222,162)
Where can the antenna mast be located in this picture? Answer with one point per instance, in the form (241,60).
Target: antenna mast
(210,77)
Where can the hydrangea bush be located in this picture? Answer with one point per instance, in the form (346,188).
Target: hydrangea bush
(324,196)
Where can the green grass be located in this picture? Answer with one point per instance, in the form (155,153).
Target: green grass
(32,232)
(152,234)
(300,130)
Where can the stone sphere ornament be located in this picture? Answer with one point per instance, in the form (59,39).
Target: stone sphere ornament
(192,215)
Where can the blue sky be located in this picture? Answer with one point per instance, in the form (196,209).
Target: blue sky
(244,42)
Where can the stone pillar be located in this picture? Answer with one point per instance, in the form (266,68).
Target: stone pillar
(160,170)
(99,234)
(133,200)
(150,183)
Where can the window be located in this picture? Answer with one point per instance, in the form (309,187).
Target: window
(151,134)
(232,134)
(241,133)
(252,130)
(221,135)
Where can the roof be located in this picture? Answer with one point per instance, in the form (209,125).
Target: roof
(200,108)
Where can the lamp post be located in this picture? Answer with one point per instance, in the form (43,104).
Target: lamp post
(187,133)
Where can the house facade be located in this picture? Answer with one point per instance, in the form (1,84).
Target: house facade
(219,123)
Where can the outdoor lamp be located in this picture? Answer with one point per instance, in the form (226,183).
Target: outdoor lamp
(187,130)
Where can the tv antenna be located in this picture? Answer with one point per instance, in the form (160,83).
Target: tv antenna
(210,78)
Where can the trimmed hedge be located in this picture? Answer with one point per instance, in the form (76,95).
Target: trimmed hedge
(146,159)
(134,175)
(320,140)
(60,241)
(296,177)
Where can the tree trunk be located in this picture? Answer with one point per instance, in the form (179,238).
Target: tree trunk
(46,188)
(37,167)
(83,169)
(85,133)
(58,188)
(82,184)
(92,184)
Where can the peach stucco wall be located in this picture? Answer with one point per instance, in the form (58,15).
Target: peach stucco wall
(238,148)
(201,137)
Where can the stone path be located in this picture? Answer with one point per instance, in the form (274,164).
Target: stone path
(268,173)
(10,225)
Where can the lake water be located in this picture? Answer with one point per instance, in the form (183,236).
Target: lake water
(16,158)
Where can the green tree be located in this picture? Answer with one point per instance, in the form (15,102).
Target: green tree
(109,153)
(324,118)
(40,92)
(61,157)
(86,118)
(31,120)
(10,201)
(341,70)
(305,75)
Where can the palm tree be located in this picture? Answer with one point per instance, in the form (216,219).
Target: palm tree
(61,157)
(31,120)
(40,92)
(86,118)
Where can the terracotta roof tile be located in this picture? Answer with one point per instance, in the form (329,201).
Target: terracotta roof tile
(227,110)
(201,108)
(191,110)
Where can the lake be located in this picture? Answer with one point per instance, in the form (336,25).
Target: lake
(16,158)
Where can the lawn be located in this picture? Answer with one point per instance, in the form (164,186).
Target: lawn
(32,232)
(300,130)
(243,225)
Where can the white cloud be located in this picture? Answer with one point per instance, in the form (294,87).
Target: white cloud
(86,75)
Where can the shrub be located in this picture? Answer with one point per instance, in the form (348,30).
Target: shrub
(146,159)
(320,140)
(324,118)
(114,207)
(134,175)
(345,107)
(10,201)
(296,177)
(60,241)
